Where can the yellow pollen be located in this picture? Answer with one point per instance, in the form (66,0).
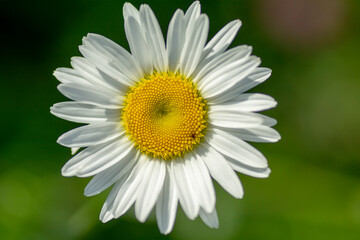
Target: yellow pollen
(164,115)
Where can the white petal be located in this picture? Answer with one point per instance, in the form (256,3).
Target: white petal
(92,95)
(130,10)
(111,58)
(74,150)
(248,102)
(210,219)
(124,192)
(175,39)
(75,163)
(109,176)
(258,76)
(193,12)
(166,205)
(226,77)
(106,68)
(235,148)
(260,133)
(106,213)
(150,188)
(267,121)
(220,170)
(93,160)
(185,190)
(89,71)
(154,38)
(130,189)
(69,75)
(92,134)
(196,36)
(202,183)
(137,42)
(247,170)
(233,118)
(208,69)
(106,158)
(84,113)
(222,40)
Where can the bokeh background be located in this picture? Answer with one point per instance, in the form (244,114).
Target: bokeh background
(314,189)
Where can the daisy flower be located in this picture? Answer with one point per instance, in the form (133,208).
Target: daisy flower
(165,119)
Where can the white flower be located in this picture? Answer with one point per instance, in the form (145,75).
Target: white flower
(164,119)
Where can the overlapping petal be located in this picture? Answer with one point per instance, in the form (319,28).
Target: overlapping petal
(109,176)
(235,148)
(91,94)
(112,59)
(186,191)
(220,170)
(97,158)
(69,75)
(92,134)
(248,102)
(256,77)
(154,38)
(175,39)
(138,45)
(226,77)
(167,203)
(125,191)
(195,39)
(221,41)
(210,219)
(84,112)
(259,133)
(150,188)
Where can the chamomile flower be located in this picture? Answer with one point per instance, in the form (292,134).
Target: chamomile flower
(165,119)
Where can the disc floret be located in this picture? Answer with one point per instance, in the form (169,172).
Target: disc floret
(164,115)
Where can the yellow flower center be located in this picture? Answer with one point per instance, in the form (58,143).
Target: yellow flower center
(164,115)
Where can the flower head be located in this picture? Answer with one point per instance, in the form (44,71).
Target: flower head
(165,118)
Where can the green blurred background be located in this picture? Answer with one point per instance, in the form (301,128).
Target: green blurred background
(312,46)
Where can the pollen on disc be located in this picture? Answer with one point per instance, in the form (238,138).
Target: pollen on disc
(164,115)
